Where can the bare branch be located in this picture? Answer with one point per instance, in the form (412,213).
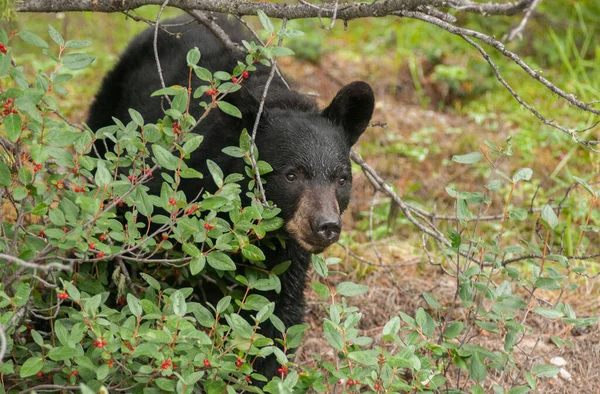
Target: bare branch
(155,46)
(345,11)
(42,267)
(517,31)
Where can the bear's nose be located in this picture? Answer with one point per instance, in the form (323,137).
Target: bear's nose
(328,228)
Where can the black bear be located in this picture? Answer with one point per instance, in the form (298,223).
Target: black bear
(307,148)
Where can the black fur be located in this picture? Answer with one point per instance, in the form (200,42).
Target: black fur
(293,136)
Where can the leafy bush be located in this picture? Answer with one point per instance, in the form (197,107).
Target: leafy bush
(75,316)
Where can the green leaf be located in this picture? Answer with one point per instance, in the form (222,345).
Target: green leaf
(164,158)
(350,289)
(197,264)
(57,217)
(548,312)
(229,109)
(253,253)
(333,335)
(545,370)
(469,158)
(522,174)
(455,238)
(55,35)
(281,51)
(477,369)
(78,43)
(12,124)
(220,261)
(193,56)
(102,176)
(549,216)
(454,330)
(585,185)
(151,281)
(62,353)
(495,185)
(265,21)
(5,176)
(319,265)
(33,39)
(61,138)
(134,305)
(192,143)
(136,117)
(223,304)
(216,172)
(77,61)
(31,367)
(425,322)
(179,306)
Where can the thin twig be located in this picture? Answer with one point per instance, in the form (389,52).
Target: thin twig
(261,106)
(155,46)
(517,31)
(42,267)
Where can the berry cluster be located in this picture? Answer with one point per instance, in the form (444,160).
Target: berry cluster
(283,371)
(100,343)
(239,362)
(37,167)
(172,201)
(166,364)
(129,346)
(176,128)
(192,209)
(3,49)
(9,106)
(208,227)
(63,295)
(212,92)
(206,363)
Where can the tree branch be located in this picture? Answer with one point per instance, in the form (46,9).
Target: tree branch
(343,11)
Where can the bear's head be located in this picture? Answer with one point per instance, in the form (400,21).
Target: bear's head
(309,152)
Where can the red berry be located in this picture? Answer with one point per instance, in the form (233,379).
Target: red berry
(172,201)
(248,379)
(3,49)
(206,363)
(209,92)
(63,295)
(245,74)
(5,105)
(100,255)
(234,79)
(9,100)
(340,381)
(75,373)
(92,245)
(102,237)
(164,237)
(208,226)
(6,112)
(376,386)
(40,374)
(279,371)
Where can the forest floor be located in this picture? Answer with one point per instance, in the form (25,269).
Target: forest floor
(399,287)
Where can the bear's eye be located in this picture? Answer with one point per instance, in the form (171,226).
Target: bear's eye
(290,177)
(342,181)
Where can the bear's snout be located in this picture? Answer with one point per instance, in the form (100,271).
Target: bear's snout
(327,228)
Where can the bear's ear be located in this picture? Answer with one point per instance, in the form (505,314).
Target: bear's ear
(352,109)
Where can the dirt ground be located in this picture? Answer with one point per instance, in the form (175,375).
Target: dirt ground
(400,289)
